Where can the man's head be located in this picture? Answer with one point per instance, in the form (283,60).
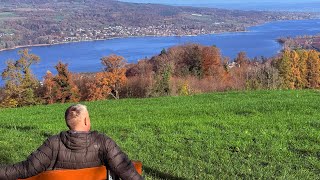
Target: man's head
(77,118)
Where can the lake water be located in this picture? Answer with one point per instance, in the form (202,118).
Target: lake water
(85,56)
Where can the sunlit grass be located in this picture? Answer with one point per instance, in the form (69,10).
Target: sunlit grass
(260,134)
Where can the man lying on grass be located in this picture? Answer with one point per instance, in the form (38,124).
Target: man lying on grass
(74,149)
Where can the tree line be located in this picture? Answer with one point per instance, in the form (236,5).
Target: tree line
(180,70)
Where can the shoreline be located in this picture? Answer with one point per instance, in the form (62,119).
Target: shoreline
(111,38)
(123,37)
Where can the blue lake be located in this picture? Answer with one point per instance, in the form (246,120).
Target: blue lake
(85,56)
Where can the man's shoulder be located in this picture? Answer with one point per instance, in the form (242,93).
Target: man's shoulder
(93,134)
(104,138)
(54,138)
(100,135)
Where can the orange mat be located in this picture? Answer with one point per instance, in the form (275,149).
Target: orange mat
(96,173)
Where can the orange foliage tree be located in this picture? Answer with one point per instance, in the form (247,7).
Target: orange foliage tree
(240,71)
(98,88)
(313,65)
(114,76)
(211,61)
(302,81)
(60,88)
(299,69)
(67,91)
(48,88)
(296,78)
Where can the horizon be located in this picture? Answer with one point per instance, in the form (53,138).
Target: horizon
(284,5)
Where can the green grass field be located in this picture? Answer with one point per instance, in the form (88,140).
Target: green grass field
(247,135)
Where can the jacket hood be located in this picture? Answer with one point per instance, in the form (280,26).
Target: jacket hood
(78,140)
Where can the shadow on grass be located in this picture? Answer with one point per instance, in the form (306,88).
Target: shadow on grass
(245,113)
(18,128)
(162,175)
(46,134)
(302,152)
(5,156)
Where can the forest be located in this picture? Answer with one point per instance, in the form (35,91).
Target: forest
(34,22)
(178,71)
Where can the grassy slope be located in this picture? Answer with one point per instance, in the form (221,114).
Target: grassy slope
(262,134)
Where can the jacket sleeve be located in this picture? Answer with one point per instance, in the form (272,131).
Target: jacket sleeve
(118,161)
(37,162)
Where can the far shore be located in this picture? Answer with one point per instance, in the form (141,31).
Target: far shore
(92,40)
(120,37)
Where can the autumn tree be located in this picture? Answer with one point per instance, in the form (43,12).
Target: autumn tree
(299,69)
(226,75)
(115,73)
(240,71)
(99,87)
(302,66)
(313,66)
(20,83)
(296,79)
(284,65)
(65,88)
(242,59)
(183,60)
(140,80)
(193,59)
(93,93)
(211,61)
(86,82)
(49,88)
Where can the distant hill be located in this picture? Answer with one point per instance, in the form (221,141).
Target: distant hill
(29,22)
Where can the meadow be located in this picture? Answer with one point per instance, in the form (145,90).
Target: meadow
(230,135)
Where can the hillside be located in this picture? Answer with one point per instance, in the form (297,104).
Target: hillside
(31,22)
(232,135)
(304,42)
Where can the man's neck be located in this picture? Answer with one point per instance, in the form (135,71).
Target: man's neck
(78,131)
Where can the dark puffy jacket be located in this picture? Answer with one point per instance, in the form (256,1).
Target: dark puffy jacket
(74,150)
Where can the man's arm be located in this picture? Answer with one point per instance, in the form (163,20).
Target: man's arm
(36,163)
(118,161)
